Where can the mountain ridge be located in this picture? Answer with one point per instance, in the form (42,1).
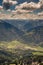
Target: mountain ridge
(28,33)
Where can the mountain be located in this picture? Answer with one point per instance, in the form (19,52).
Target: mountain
(9,32)
(34,35)
(27,32)
(20,37)
(27,27)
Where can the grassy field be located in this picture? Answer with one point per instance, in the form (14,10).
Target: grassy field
(37,53)
(11,46)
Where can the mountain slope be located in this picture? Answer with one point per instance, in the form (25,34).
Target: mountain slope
(9,32)
(28,32)
(20,38)
(34,35)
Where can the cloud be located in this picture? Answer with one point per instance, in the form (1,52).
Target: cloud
(23,7)
(9,10)
(40,0)
(30,6)
(4,1)
(8,3)
(41,3)
(20,11)
(13,2)
(1,7)
(40,14)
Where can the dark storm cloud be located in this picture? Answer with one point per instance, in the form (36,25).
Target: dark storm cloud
(8,3)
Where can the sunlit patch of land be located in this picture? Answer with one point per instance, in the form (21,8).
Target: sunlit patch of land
(21,52)
(38,53)
(10,46)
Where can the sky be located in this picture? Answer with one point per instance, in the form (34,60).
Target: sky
(21,1)
(24,5)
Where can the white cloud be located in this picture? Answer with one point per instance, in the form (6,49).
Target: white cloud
(13,2)
(40,14)
(30,6)
(1,7)
(25,7)
(22,11)
(9,10)
(41,3)
(40,0)
(4,1)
